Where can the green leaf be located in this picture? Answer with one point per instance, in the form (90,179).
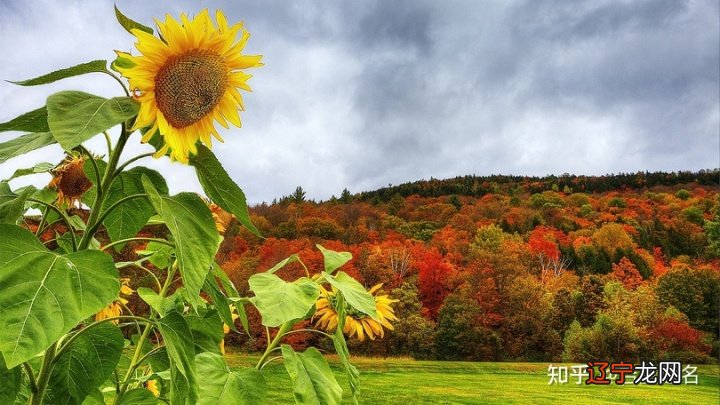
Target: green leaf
(313,380)
(196,240)
(74,116)
(129,24)
(94,398)
(344,354)
(32,121)
(43,295)
(334,260)
(10,382)
(43,167)
(219,301)
(283,263)
(159,254)
(96,66)
(279,301)
(128,219)
(222,386)
(88,362)
(218,185)
(24,144)
(161,305)
(354,293)
(138,396)
(207,331)
(121,62)
(12,206)
(181,351)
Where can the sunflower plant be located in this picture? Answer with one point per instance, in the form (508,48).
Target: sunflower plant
(67,335)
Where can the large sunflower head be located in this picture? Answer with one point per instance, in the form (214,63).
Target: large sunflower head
(70,181)
(356,323)
(187,79)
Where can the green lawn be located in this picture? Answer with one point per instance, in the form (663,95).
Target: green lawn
(405,381)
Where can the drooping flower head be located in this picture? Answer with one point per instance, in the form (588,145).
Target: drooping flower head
(115,308)
(187,79)
(356,323)
(70,181)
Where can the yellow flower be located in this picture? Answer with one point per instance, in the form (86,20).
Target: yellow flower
(226,330)
(356,323)
(115,308)
(152,386)
(187,79)
(70,181)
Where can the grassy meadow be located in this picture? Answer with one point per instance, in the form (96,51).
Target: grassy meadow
(406,381)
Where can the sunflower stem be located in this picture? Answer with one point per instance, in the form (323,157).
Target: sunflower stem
(65,218)
(137,356)
(127,93)
(136,158)
(121,241)
(108,177)
(280,333)
(44,377)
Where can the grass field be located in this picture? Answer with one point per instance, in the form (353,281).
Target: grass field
(404,381)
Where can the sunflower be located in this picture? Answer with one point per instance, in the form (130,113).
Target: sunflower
(187,79)
(226,330)
(356,323)
(115,308)
(70,181)
(152,386)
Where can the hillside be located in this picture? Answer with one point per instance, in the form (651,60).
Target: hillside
(613,267)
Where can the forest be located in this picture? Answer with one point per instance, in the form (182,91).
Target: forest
(618,267)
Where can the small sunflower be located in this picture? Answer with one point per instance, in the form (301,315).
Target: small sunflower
(226,330)
(356,323)
(152,386)
(70,181)
(221,217)
(115,308)
(187,79)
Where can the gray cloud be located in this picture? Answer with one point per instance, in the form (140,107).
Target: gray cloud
(362,94)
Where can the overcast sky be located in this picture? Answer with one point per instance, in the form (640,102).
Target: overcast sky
(360,94)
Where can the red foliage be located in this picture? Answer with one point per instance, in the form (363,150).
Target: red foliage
(626,272)
(434,275)
(676,335)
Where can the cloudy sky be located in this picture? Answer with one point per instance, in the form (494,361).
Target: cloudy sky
(365,93)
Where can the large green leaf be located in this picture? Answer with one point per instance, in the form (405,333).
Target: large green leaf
(24,144)
(10,382)
(138,396)
(129,24)
(313,380)
(96,66)
(43,167)
(207,330)
(344,354)
(88,362)
(32,121)
(221,189)
(192,226)
(354,293)
(161,305)
(130,217)
(43,295)
(74,116)
(279,301)
(283,263)
(334,260)
(222,386)
(180,348)
(12,206)
(219,300)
